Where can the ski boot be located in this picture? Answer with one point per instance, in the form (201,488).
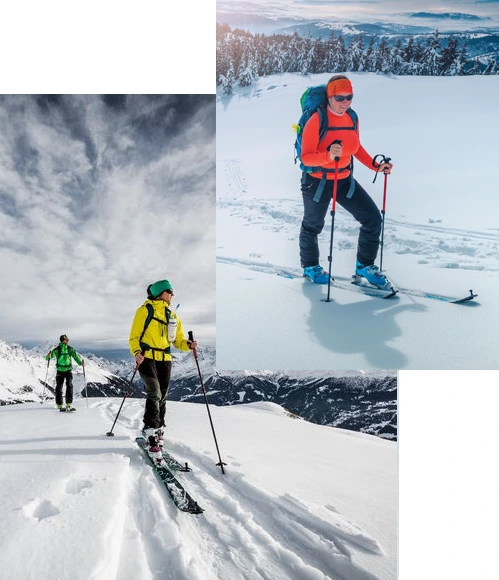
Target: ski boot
(152,445)
(160,436)
(316,274)
(372,275)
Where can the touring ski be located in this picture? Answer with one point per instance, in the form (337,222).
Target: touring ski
(356,284)
(175,489)
(173,463)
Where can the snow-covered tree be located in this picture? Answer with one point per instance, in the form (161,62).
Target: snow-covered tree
(369,57)
(227,81)
(491,67)
(449,58)
(355,55)
(430,64)
(475,69)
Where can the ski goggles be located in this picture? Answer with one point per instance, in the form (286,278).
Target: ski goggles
(341,98)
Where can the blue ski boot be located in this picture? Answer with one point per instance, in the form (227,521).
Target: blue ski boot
(316,274)
(373,276)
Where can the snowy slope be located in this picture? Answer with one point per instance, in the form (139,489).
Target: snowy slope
(316,503)
(441,232)
(23,373)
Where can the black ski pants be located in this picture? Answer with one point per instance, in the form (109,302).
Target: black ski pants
(60,377)
(156,377)
(360,205)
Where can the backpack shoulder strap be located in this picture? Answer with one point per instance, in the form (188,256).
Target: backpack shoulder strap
(354,117)
(150,316)
(355,120)
(323,122)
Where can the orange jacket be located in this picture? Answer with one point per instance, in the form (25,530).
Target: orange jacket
(314,153)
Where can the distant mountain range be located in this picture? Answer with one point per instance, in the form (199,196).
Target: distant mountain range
(448,16)
(352,400)
(479,32)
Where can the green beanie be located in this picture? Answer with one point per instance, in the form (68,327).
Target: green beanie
(158,287)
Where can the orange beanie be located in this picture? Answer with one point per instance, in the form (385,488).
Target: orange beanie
(339,86)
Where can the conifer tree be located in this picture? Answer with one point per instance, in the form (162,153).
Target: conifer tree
(461,60)
(355,61)
(475,69)
(430,64)
(449,58)
(491,67)
(306,55)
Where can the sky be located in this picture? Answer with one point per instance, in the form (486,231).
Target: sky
(101,195)
(441,231)
(335,519)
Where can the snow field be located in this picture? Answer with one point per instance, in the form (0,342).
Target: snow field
(441,231)
(298,501)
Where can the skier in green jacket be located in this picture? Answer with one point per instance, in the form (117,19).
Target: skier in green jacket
(64,354)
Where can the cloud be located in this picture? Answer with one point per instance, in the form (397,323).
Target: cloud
(99,197)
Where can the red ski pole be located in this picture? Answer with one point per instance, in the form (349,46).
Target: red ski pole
(386,160)
(333,212)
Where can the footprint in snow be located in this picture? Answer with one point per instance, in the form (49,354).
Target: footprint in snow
(40,509)
(75,486)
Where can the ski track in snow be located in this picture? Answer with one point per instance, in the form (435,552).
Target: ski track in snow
(281,535)
(433,243)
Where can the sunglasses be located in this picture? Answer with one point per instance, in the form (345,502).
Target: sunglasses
(341,98)
(169,291)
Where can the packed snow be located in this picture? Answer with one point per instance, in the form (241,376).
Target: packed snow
(298,501)
(441,230)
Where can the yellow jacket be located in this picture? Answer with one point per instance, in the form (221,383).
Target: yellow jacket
(153,342)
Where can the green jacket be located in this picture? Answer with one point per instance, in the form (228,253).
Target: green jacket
(64,353)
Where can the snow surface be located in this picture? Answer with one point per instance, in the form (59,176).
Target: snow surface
(441,230)
(298,501)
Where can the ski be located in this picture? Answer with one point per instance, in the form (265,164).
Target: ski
(371,290)
(357,284)
(64,410)
(175,489)
(173,463)
(354,286)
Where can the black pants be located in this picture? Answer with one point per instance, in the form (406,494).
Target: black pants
(59,382)
(360,205)
(156,377)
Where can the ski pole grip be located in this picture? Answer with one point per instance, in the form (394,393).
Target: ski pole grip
(191,336)
(335,142)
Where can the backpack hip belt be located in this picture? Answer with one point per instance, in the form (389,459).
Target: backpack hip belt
(145,347)
(320,169)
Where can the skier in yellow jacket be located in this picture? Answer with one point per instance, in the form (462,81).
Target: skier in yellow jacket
(154,329)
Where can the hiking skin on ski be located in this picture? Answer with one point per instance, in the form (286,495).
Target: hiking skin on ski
(356,284)
(180,497)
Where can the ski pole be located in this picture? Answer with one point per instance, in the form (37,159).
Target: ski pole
(85,379)
(45,383)
(383,218)
(383,211)
(110,433)
(333,212)
(220,463)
